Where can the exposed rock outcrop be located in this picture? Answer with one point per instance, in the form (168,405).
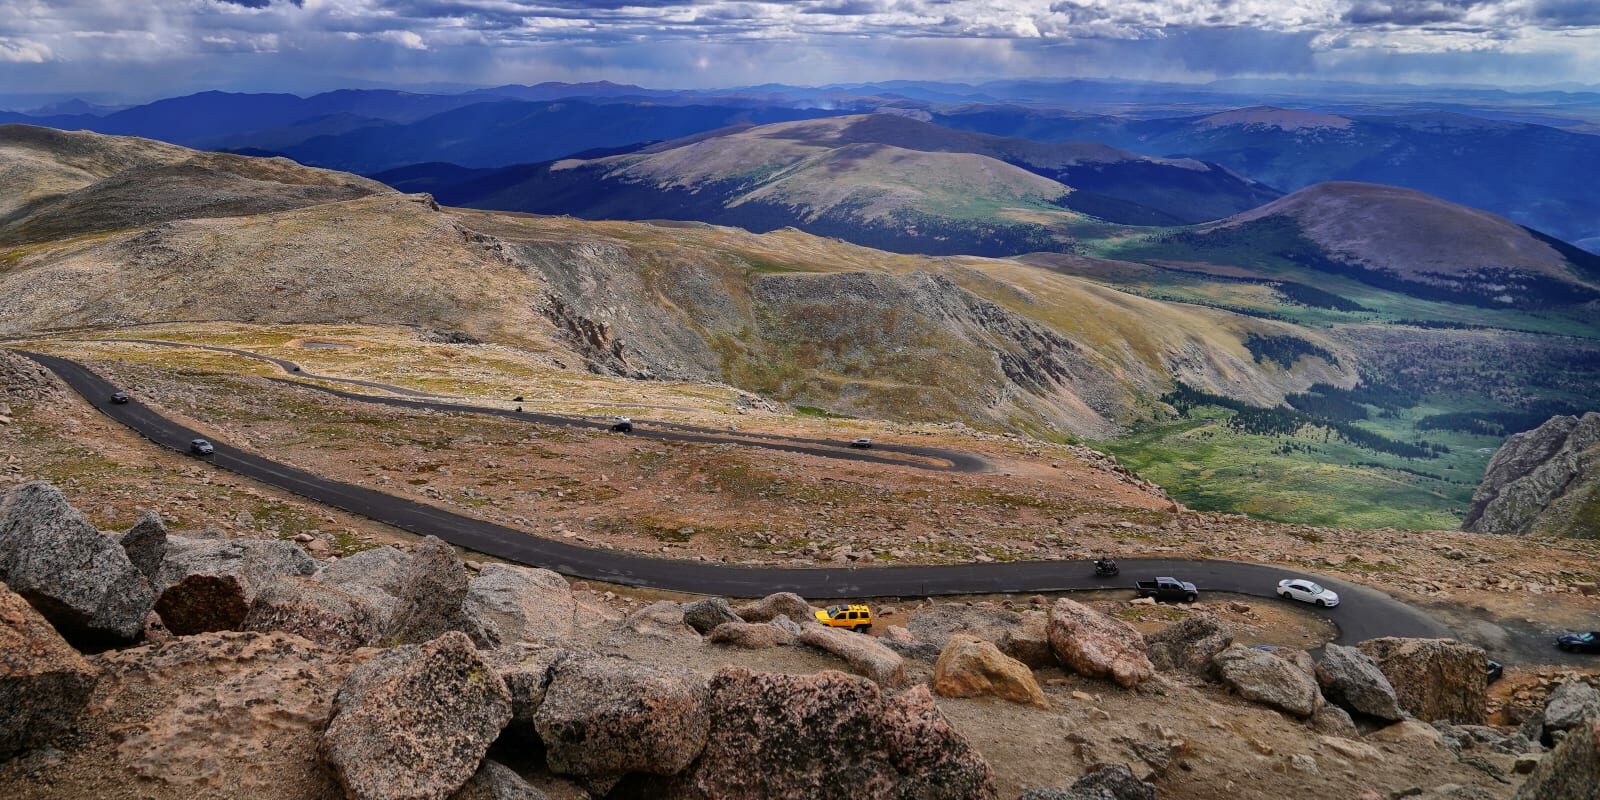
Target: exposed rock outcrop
(808,732)
(1023,636)
(706,614)
(1352,679)
(971,667)
(77,577)
(1093,644)
(318,611)
(1572,705)
(1264,678)
(662,620)
(1105,782)
(787,604)
(208,584)
(44,683)
(1545,480)
(862,652)
(432,598)
(526,670)
(146,544)
(375,576)
(1189,645)
(1570,772)
(416,721)
(751,635)
(512,604)
(1434,679)
(496,781)
(606,717)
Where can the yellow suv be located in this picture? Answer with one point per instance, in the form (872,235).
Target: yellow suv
(855,617)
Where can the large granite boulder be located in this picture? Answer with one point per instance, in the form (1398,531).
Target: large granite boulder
(1572,705)
(44,683)
(1093,644)
(146,544)
(1023,636)
(376,576)
(659,620)
(706,614)
(74,575)
(1434,679)
(514,604)
(1570,772)
(862,652)
(972,667)
(1189,645)
(605,717)
(526,669)
(415,721)
(827,736)
(787,604)
(208,584)
(750,635)
(1264,678)
(432,598)
(318,611)
(1353,681)
(1540,479)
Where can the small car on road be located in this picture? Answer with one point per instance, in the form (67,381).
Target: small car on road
(119,398)
(855,616)
(1168,589)
(1307,592)
(622,425)
(201,447)
(861,444)
(1586,642)
(1495,671)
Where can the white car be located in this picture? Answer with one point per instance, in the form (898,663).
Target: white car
(1307,592)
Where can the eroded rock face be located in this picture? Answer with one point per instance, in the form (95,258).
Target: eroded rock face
(971,667)
(1572,705)
(526,670)
(862,652)
(788,604)
(604,717)
(1434,679)
(751,635)
(318,611)
(374,575)
(828,736)
(705,615)
(432,597)
(1570,772)
(1105,782)
(1264,678)
(75,576)
(209,584)
(416,721)
(662,620)
(1536,478)
(223,713)
(44,683)
(1093,644)
(515,604)
(1188,646)
(1351,679)
(145,544)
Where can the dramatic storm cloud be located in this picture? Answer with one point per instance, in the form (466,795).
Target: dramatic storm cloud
(158,46)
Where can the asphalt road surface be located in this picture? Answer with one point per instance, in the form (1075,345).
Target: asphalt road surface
(1364,614)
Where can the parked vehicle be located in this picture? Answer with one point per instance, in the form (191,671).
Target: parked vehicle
(1168,589)
(1586,642)
(119,397)
(862,444)
(201,447)
(1105,568)
(1307,592)
(1495,672)
(856,617)
(622,425)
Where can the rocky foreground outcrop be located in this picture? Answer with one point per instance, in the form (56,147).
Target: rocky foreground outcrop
(1546,480)
(77,577)
(1570,772)
(1093,644)
(1434,679)
(44,683)
(1351,679)
(971,667)
(1265,678)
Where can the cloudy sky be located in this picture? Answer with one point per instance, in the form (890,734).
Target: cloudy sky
(141,49)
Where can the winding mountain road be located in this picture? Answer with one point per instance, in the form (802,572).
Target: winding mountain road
(1365,613)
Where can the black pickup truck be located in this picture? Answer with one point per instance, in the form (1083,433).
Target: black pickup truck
(1169,589)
